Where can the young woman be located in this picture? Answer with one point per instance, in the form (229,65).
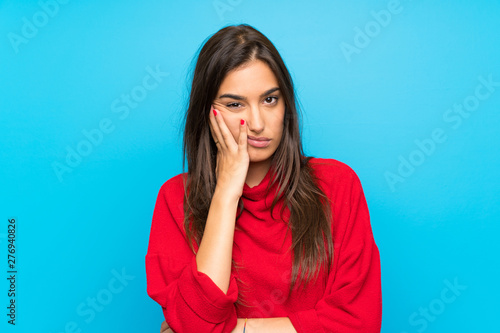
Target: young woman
(256,237)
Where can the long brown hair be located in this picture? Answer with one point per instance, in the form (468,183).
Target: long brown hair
(310,214)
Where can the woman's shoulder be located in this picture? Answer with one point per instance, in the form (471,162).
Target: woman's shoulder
(331,167)
(332,171)
(173,187)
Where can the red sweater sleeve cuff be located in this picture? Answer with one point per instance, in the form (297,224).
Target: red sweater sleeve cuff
(204,297)
(306,321)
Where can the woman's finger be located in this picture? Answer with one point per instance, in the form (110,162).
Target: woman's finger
(219,141)
(214,137)
(242,139)
(164,327)
(227,137)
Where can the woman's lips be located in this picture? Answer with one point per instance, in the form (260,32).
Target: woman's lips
(258,142)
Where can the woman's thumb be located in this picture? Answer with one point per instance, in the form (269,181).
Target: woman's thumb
(243,135)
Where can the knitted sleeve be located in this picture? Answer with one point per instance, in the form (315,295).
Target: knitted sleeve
(190,300)
(352,302)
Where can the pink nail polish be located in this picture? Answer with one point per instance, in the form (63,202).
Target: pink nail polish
(215,112)
(242,122)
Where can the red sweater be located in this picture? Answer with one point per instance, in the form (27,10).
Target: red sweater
(345,299)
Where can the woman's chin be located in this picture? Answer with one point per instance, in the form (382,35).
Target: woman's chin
(259,158)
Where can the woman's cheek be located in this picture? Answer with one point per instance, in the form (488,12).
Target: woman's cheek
(232,122)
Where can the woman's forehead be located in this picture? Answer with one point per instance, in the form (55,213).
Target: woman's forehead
(253,79)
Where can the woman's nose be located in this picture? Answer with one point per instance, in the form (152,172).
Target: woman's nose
(255,121)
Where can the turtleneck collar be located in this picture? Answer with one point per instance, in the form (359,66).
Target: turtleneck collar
(257,200)
(258,192)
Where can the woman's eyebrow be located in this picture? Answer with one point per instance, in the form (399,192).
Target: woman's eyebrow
(241,98)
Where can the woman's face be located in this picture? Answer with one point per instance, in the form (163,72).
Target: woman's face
(251,93)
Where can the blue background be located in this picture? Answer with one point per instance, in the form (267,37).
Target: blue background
(435,224)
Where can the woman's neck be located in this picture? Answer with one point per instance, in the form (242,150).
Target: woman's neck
(256,172)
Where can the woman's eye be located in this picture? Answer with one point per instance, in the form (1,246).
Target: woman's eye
(271,99)
(268,100)
(232,105)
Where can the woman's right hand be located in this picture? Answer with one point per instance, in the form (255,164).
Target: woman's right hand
(232,156)
(165,328)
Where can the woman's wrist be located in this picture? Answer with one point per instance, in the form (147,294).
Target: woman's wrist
(226,195)
(280,324)
(243,325)
(239,326)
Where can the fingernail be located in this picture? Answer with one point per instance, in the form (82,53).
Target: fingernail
(215,112)
(242,122)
